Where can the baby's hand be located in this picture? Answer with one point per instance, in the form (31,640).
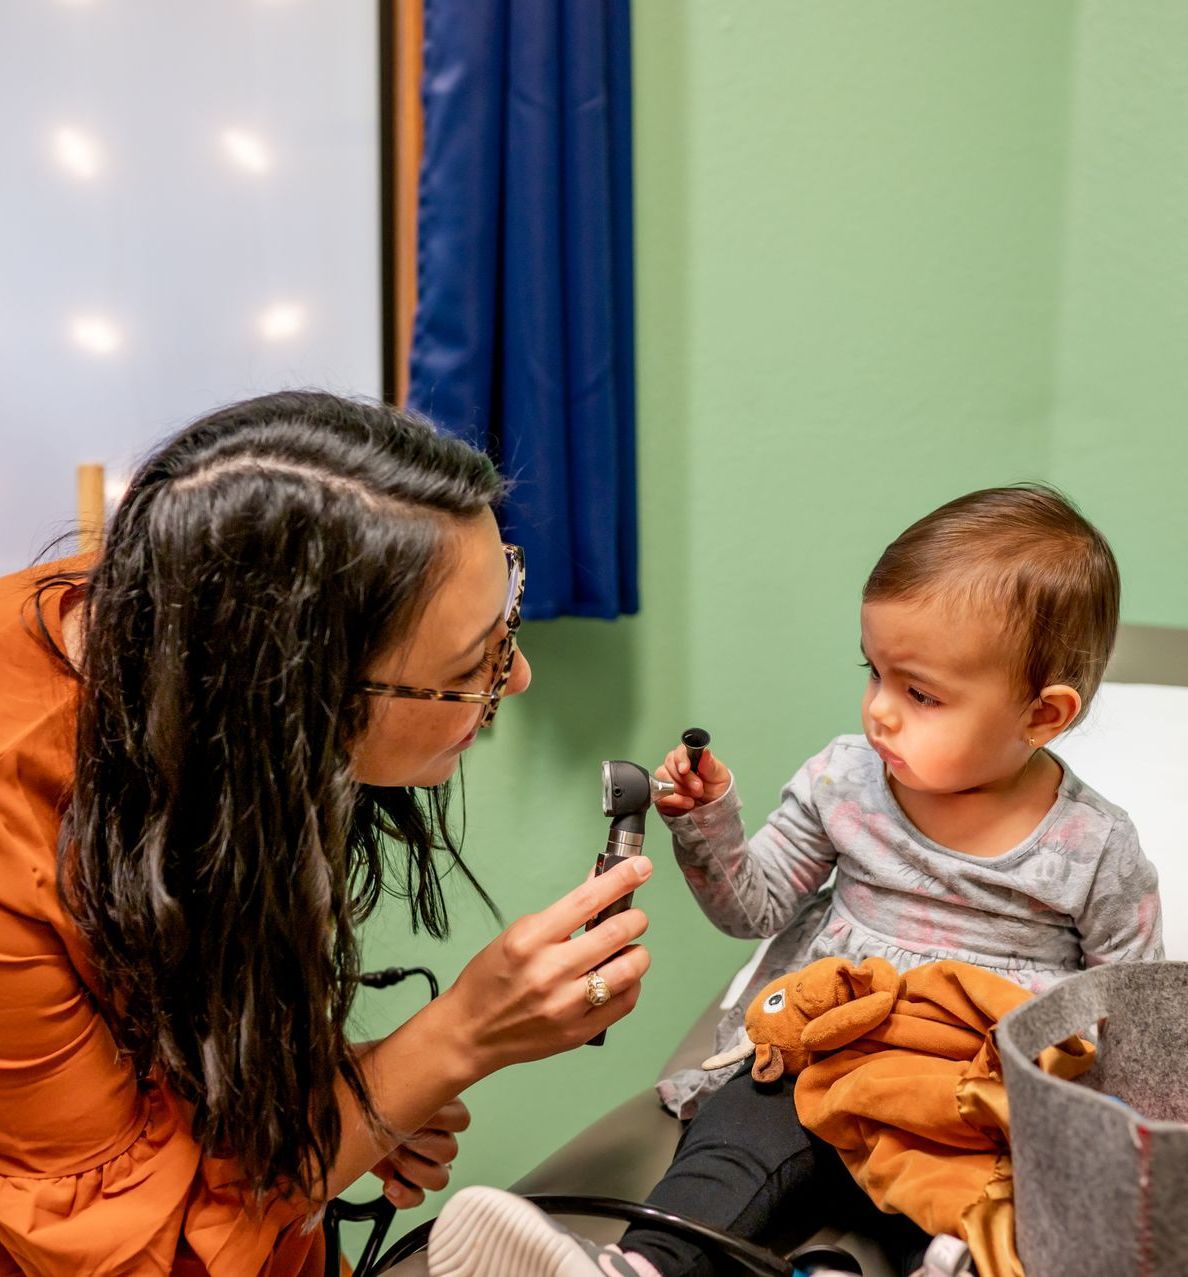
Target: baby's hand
(693,789)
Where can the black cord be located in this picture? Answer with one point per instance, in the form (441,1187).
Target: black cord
(389,976)
(379,1211)
(754,1259)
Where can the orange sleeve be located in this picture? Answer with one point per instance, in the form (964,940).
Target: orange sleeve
(98,1175)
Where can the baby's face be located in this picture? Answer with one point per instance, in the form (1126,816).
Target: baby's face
(941,705)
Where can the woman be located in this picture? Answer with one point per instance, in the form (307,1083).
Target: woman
(301,617)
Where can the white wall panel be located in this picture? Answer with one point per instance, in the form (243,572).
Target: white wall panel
(188,214)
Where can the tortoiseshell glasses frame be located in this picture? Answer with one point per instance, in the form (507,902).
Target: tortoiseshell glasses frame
(505,655)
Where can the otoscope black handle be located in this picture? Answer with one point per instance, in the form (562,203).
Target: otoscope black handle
(608,860)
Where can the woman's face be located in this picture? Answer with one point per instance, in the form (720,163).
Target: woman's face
(452,648)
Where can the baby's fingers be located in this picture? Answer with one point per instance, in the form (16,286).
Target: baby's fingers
(688,780)
(675,804)
(686,796)
(712,770)
(676,764)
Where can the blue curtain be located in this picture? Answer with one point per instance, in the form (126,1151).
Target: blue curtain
(524,337)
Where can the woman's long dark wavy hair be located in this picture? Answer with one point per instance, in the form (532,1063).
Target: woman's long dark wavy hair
(218,856)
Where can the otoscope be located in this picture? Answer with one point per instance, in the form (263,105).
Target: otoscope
(628,790)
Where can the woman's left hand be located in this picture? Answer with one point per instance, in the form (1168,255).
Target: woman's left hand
(423,1160)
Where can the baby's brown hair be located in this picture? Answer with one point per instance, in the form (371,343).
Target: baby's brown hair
(1027,554)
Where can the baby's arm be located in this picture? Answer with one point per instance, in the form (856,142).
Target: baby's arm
(753,889)
(1121,919)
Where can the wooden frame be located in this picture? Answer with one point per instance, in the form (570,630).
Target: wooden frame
(401,37)
(91,506)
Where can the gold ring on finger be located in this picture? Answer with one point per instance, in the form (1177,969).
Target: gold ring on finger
(598,992)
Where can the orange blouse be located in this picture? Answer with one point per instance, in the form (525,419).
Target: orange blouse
(97,1175)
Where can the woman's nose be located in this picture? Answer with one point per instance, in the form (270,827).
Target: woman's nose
(521,675)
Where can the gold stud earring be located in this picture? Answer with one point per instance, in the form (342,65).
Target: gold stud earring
(1031,741)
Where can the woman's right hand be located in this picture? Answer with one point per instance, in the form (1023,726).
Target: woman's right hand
(693,788)
(523,997)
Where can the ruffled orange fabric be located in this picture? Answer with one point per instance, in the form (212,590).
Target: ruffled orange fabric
(97,1175)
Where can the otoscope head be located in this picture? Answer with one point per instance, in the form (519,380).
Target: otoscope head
(629,789)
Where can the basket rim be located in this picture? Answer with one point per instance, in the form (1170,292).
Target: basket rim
(1014,1057)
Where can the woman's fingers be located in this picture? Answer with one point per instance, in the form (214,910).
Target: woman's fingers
(423,1160)
(454,1116)
(403,1196)
(523,997)
(420,1164)
(418,1171)
(397,1190)
(624,970)
(599,1018)
(593,948)
(435,1146)
(560,920)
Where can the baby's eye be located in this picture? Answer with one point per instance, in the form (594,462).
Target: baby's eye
(874,674)
(922,698)
(774,1001)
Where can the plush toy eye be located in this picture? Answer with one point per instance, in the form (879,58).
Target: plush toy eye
(774,1001)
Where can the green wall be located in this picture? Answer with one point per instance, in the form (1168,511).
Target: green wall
(864,286)
(1120,421)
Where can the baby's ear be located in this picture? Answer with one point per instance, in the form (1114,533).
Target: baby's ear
(1053,711)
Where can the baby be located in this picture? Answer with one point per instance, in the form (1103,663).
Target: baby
(949,830)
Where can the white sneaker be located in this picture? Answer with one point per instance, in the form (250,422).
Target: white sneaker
(946,1256)
(485,1232)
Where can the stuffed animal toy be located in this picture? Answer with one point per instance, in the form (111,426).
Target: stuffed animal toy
(827,1005)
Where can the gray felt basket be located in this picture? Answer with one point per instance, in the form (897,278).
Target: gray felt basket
(1102,1187)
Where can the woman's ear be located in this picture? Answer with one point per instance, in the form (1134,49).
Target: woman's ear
(1053,711)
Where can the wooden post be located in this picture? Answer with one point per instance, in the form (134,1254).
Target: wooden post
(410,143)
(91,505)
(402,36)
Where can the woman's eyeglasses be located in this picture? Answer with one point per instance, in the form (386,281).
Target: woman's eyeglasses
(504,657)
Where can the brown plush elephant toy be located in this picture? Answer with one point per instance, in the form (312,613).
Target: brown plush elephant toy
(826,1005)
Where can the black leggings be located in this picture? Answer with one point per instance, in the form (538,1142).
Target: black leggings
(746,1165)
